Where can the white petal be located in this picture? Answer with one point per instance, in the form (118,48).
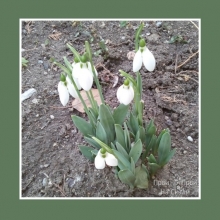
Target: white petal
(99,162)
(63,93)
(76,70)
(148,60)
(90,69)
(71,88)
(125,95)
(85,79)
(77,83)
(111,160)
(137,62)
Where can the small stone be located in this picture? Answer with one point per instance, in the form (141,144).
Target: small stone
(40,61)
(148,34)
(37,115)
(35,101)
(46,165)
(51,116)
(45,73)
(123,37)
(184,151)
(45,181)
(166,118)
(159,24)
(189,138)
(55,144)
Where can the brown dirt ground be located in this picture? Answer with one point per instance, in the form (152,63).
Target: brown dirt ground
(171,96)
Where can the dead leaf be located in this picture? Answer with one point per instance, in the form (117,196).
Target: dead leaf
(77,104)
(115,81)
(55,36)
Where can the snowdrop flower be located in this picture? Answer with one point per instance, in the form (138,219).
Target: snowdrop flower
(125,93)
(65,87)
(143,55)
(105,157)
(82,74)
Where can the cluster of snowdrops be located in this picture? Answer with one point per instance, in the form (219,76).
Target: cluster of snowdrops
(117,137)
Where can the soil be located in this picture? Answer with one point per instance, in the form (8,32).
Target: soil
(51,163)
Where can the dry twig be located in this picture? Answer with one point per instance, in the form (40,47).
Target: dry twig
(194,25)
(187,60)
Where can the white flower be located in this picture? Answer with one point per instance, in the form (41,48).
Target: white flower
(75,71)
(83,76)
(90,69)
(64,89)
(107,158)
(125,94)
(145,57)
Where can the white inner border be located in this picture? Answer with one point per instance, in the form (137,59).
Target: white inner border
(107,198)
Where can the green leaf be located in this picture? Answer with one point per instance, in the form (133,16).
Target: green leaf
(125,164)
(150,131)
(120,137)
(139,84)
(169,157)
(149,146)
(95,152)
(132,166)
(113,146)
(120,113)
(164,148)
(141,178)
(107,122)
(127,137)
(100,133)
(152,159)
(122,150)
(137,136)
(134,124)
(92,142)
(88,50)
(86,151)
(123,23)
(142,134)
(155,147)
(153,168)
(136,151)
(85,128)
(76,54)
(127,177)
(103,145)
(68,64)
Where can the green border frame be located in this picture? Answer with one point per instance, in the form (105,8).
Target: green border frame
(11,206)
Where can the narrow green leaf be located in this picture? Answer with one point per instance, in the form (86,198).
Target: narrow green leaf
(74,52)
(122,159)
(86,151)
(100,133)
(127,137)
(132,166)
(68,64)
(141,178)
(123,23)
(127,177)
(136,151)
(88,50)
(120,113)
(149,146)
(107,122)
(92,142)
(137,136)
(138,32)
(134,124)
(142,134)
(122,150)
(113,146)
(153,168)
(169,157)
(155,147)
(85,128)
(152,159)
(66,70)
(120,137)
(106,147)
(164,147)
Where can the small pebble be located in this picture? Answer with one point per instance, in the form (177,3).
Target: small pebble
(40,61)
(35,101)
(190,138)
(148,34)
(37,115)
(51,116)
(184,151)
(45,73)
(166,118)
(45,181)
(123,37)
(158,24)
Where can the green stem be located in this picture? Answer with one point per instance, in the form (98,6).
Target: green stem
(88,50)
(90,100)
(94,101)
